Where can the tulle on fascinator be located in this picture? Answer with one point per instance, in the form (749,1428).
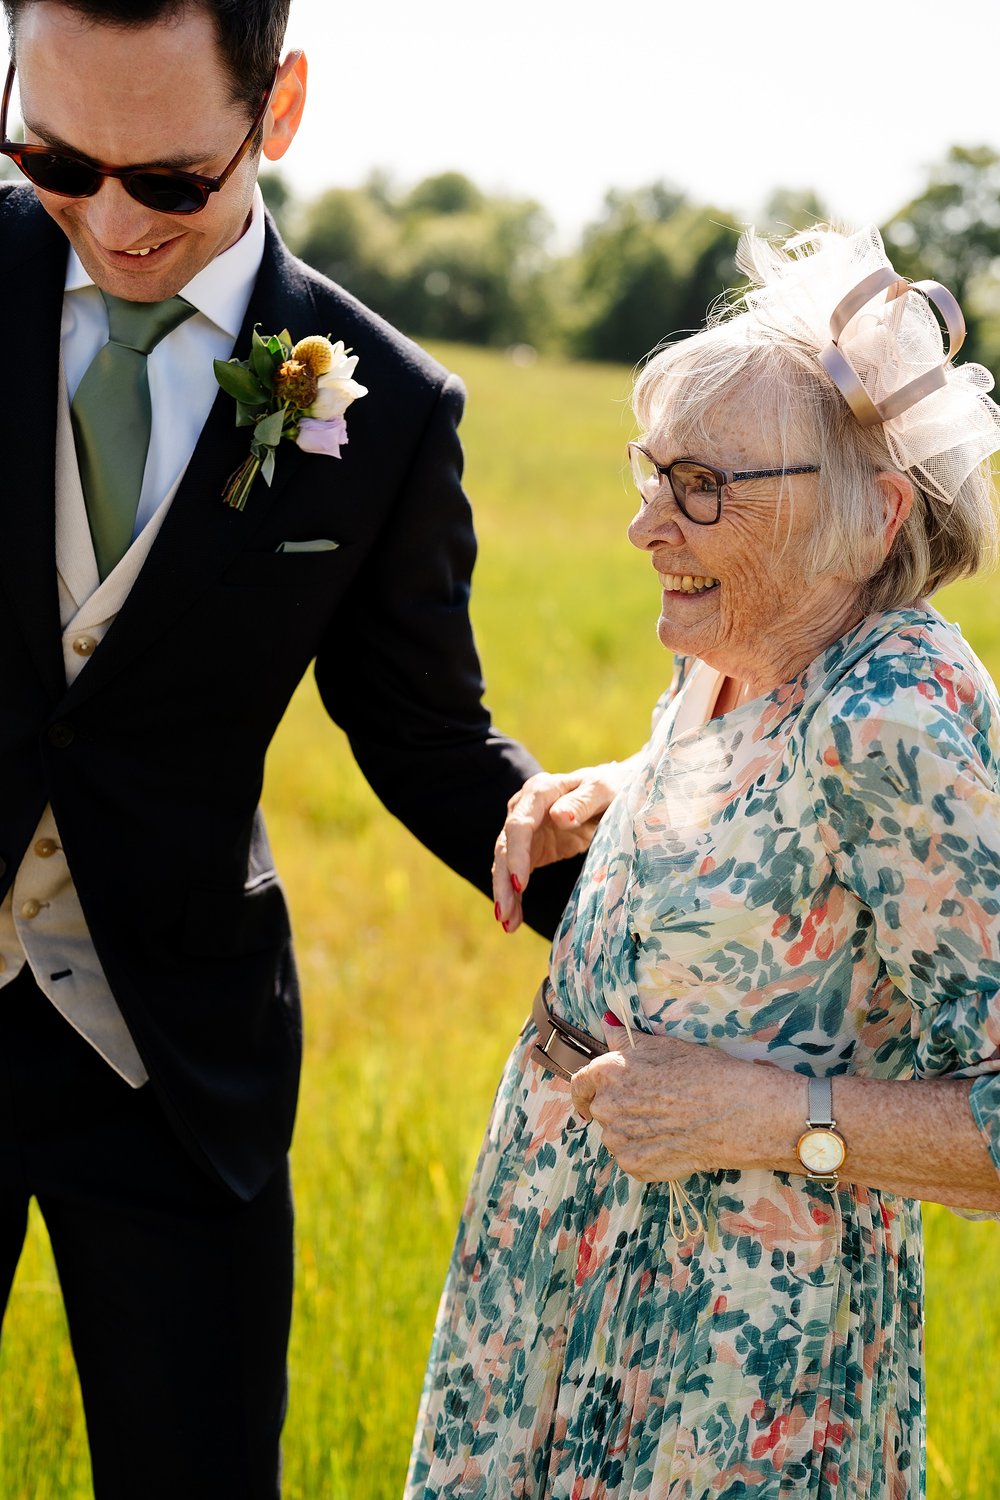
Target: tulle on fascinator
(877,337)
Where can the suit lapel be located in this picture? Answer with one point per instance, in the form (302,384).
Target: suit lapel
(32,273)
(200,534)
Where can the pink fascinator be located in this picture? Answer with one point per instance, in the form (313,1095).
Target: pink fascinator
(878,338)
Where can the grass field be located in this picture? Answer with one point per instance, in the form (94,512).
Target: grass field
(413,994)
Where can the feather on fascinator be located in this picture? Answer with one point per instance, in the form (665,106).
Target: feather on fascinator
(877,337)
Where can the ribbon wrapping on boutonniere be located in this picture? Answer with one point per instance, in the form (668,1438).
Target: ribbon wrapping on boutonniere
(284,390)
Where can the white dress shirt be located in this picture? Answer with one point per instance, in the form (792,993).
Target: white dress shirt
(41,919)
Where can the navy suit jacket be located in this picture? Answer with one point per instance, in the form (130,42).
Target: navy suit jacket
(153,759)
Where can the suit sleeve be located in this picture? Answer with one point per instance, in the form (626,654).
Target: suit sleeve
(400,673)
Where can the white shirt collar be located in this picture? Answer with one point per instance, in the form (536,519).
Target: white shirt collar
(221,290)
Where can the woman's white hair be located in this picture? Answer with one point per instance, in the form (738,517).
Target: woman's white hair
(747,359)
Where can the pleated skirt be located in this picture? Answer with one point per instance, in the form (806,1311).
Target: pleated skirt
(582,1352)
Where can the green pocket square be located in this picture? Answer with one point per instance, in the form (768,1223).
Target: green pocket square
(320,545)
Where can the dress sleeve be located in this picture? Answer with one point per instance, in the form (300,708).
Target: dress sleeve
(905,781)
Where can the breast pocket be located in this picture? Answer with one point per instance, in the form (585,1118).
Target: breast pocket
(296,569)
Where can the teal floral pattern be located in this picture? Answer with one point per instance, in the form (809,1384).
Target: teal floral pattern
(812,880)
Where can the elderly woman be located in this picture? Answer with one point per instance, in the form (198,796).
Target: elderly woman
(694,1268)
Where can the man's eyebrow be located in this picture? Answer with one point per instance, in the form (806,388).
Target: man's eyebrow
(181,163)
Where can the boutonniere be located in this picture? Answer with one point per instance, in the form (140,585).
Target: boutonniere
(299,392)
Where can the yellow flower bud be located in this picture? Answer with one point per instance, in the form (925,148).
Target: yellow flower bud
(315,352)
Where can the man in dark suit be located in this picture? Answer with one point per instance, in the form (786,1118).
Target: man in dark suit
(149,1023)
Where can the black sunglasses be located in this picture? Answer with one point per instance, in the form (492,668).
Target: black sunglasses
(163,189)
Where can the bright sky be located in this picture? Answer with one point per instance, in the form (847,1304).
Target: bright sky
(561,99)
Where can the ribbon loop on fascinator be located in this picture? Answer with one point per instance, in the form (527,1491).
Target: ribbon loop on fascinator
(883,347)
(838,366)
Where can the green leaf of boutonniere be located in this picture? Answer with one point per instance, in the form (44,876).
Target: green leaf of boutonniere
(246,416)
(236,380)
(268,431)
(264,360)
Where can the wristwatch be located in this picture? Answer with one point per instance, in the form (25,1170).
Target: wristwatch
(820,1149)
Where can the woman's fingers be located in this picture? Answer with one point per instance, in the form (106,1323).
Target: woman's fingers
(588,799)
(507,888)
(526,841)
(590,1085)
(552,817)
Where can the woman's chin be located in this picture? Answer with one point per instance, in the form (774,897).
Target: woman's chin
(683,628)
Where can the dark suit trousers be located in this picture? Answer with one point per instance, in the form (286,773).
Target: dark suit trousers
(178,1295)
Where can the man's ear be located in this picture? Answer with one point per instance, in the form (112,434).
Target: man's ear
(897,499)
(287,104)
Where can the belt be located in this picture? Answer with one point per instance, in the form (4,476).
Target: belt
(565,1048)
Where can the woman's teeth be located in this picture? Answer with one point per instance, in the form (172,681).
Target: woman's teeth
(686,583)
(144,251)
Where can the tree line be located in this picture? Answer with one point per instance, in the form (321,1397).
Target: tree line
(445,260)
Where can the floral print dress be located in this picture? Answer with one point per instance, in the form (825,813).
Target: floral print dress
(812,879)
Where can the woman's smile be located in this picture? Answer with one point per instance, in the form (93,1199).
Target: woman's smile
(687,583)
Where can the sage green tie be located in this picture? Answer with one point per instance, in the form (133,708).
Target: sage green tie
(112,418)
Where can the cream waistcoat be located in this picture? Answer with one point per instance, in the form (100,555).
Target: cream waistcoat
(41,920)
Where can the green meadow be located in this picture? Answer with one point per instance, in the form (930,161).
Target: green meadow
(413,994)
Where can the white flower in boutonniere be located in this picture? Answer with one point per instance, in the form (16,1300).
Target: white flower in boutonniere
(299,392)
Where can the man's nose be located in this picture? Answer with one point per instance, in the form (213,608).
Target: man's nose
(117,220)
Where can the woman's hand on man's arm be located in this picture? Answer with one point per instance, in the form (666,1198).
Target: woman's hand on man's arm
(552,817)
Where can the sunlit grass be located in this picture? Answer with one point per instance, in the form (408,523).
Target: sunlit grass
(413,995)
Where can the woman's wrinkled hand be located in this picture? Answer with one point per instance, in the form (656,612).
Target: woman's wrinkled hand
(668,1108)
(552,817)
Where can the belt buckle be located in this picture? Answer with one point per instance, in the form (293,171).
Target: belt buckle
(540,1051)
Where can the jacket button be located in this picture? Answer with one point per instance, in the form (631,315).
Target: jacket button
(45,848)
(84,645)
(61,734)
(30,909)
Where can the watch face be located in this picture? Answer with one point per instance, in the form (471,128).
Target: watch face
(821,1150)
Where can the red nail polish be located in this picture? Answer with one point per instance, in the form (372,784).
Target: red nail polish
(612,1020)
(506,927)
(571,817)
(516,884)
(496,910)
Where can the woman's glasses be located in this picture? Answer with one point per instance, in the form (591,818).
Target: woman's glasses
(163,189)
(697,487)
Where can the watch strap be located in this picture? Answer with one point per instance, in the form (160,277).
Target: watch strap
(820,1103)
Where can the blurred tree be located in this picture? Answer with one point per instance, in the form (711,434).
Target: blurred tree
(447,193)
(951,233)
(441,261)
(278,198)
(788,210)
(348,235)
(650,267)
(475,274)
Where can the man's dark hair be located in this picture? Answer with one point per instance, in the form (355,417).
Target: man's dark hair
(250,32)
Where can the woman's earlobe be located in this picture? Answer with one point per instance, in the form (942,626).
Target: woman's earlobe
(897,497)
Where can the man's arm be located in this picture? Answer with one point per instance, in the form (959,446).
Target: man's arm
(400,673)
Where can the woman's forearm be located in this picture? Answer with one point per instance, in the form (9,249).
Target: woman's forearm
(912,1137)
(668,1108)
